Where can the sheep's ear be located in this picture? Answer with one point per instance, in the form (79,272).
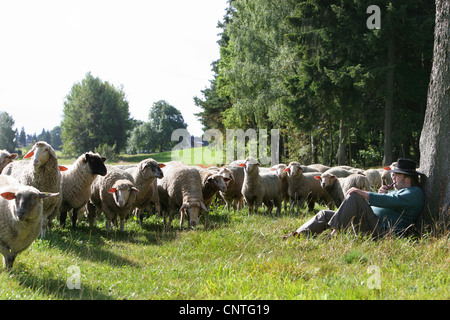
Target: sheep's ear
(62,168)
(134,189)
(241,165)
(43,195)
(103,159)
(29,154)
(184,206)
(202,205)
(317,177)
(161,165)
(112,190)
(86,157)
(273,169)
(13,156)
(287,169)
(387,168)
(8,195)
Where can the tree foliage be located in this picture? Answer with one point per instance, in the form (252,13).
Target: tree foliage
(95,114)
(313,69)
(7,134)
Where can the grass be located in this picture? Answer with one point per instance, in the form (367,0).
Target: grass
(238,257)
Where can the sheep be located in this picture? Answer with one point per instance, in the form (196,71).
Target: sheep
(212,182)
(181,190)
(21,215)
(280,170)
(260,188)
(234,187)
(304,187)
(5,158)
(374,177)
(144,175)
(76,184)
(113,194)
(43,173)
(339,172)
(337,187)
(319,167)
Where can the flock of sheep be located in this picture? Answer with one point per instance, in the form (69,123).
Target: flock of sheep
(36,190)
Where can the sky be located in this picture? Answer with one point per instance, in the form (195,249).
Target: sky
(156,50)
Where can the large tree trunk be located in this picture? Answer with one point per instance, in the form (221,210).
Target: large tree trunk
(435,138)
(341,146)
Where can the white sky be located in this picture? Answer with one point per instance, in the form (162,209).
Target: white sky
(158,50)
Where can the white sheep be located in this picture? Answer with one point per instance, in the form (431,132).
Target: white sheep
(234,187)
(21,215)
(304,187)
(144,175)
(374,177)
(113,194)
(280,170)
(338,187)
(181,191)
(5,158)
(260,188)
(76,184)
(41,172)
(213,181)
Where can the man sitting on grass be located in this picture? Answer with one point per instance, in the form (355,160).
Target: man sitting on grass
(374,213)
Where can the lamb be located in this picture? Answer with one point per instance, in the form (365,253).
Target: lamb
(113,194)
(234,187)
(5,158)
(43,173)
(304,187)
(76,184)
(21,215)
(337,187)
(181,190)
(260,188)
(144,175)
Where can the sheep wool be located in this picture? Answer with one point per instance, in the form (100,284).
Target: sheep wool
(43,173)
(76,184)
(21,215)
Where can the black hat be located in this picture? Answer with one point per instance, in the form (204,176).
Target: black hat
(405,166)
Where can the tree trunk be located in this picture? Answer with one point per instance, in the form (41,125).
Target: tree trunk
(434,140)
(389,103)
(341,146)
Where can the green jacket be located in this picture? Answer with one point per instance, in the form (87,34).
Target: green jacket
(397,209)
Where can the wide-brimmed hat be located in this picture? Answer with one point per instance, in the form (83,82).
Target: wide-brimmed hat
(405,166)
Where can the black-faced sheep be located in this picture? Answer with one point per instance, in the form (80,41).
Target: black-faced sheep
(305,187)
(41,172)
(181,191)
(76,184)
(114,195)
(21,215)
(260,188)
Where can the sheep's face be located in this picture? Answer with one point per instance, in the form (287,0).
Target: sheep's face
(280,170)
(28,203)
(294,169)
(250,165)
(219,182)
(193,210)
(151,169)
(122,194)
(227,175)
(327,181)
(5,158)
(96,163)
(40,154)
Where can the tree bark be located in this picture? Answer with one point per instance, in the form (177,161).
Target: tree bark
(435,138)
(341,146)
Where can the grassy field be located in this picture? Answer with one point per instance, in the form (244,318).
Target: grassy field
(238,257)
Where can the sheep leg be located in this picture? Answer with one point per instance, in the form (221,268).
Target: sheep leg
(74,217)
(62,218)
(122,224)
(8,260)
(92,214)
